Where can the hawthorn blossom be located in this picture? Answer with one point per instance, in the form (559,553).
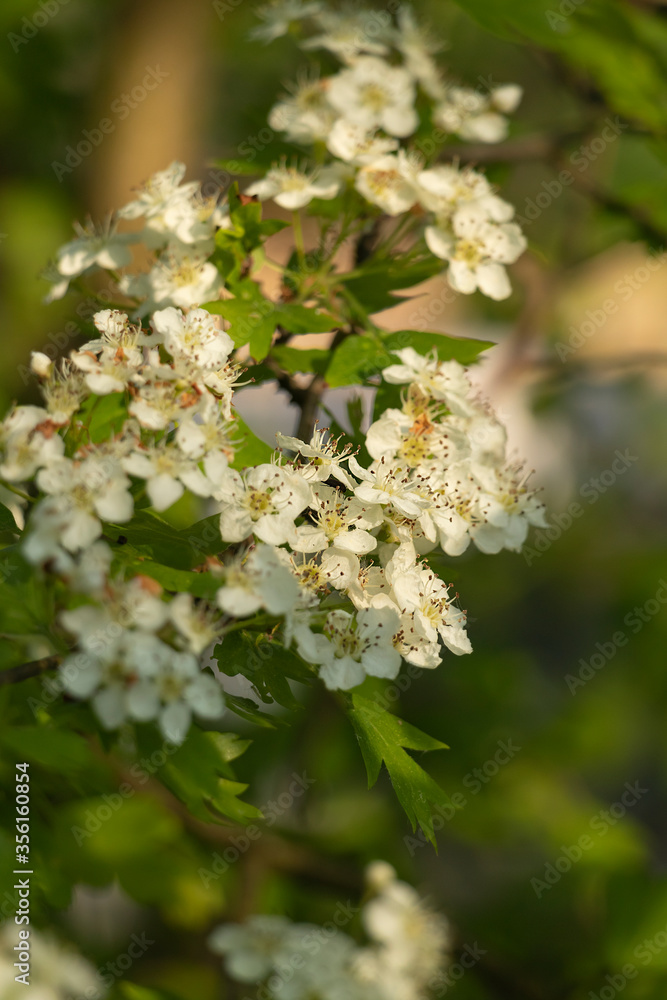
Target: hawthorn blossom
(476,116)
(278,15)
(94,246)
(160,191)
(167,472)
(324,459)
(197,623)
(83,491)
(390,182)
(195,336)
(265,500)
(293,188)
(255,581)
(304,114)
(336,519)
(182,277)
(373,94)
(251,950)
(352,647)
(29,440)
(477,250)
(353,143)
(388,483)
(346,33)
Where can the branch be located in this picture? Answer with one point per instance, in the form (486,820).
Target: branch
(28,670)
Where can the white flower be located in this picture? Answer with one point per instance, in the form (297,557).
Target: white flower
(113,360)
(412,940)
(305,115)
(476,250)
(261,580)
(57,972)
(293,188)
(158,192)
(181,277)
(445,189)
(94,246)
(389,182)
(252,950)
(81,492)
(167,472)
(195,336)
(418,589)
(388,483)
(373,94)
(332,567)
(418,45)
(171,691)
(322,452)
(264,501)
(476,116)
(352,647)
(350,31)
(278,16)
(355,144)
(336,518)
(443,380)
(29,440)
(196,622)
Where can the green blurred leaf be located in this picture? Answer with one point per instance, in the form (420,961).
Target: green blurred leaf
(200,775)
(51,748)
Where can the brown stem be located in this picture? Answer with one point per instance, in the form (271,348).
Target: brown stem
(27,670)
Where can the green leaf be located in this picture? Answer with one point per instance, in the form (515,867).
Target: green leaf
(265,663)
(447,348)
(54,749)
(300,319)
(356,359)
(373,285)
(292,359)
(179,580)
(104,415)
(200,775)
(384,738)
(130,991)
(252,450)
(154,538)
(7,522)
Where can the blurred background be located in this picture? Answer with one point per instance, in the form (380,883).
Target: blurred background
(557,723)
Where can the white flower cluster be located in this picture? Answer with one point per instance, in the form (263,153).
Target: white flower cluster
(55,972)
(294,531)
(409,945)
(136,654)
(362,113)
(179,228)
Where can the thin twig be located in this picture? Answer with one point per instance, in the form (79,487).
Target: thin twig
(27,670)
